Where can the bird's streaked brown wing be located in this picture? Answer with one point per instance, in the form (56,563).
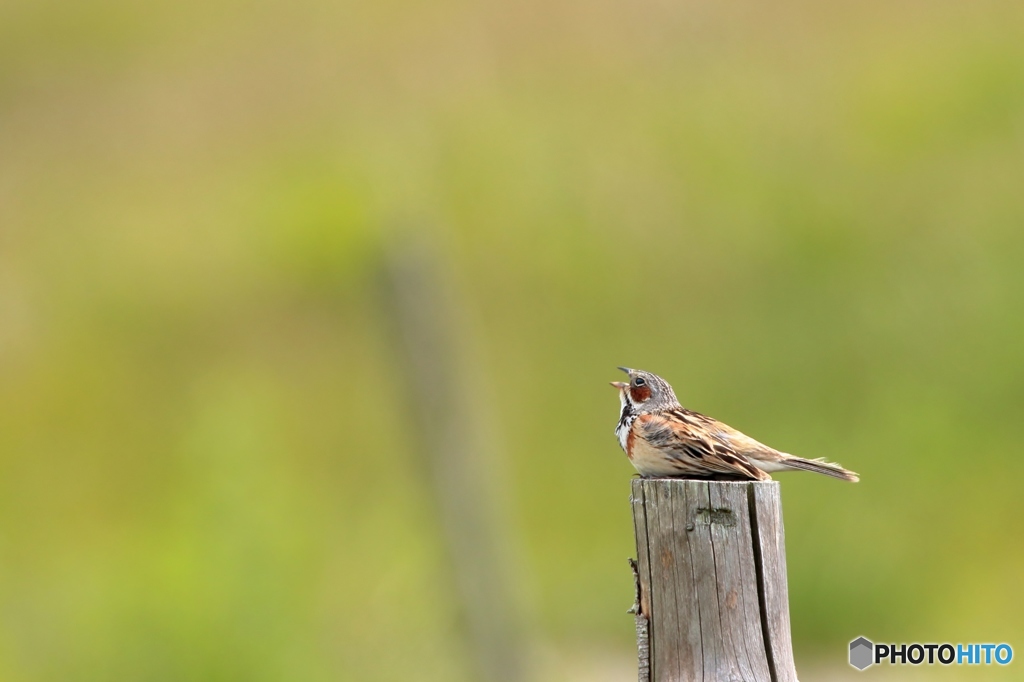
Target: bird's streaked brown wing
(701,442)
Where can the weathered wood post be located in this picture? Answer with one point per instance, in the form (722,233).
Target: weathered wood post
(712,601)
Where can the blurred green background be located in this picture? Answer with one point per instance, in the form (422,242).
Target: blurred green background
(807,217)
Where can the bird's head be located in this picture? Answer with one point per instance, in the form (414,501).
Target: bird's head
(645,392)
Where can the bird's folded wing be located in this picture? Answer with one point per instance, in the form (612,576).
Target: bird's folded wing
(699,441)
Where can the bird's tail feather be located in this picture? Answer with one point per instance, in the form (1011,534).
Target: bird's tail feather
(820,466)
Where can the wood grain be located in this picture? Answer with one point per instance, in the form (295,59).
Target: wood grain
(712,581)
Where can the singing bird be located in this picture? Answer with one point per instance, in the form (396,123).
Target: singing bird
(663,439)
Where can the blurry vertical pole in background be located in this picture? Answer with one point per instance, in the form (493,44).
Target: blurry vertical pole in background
(444,393)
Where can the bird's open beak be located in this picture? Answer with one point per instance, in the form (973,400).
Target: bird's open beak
(620,385)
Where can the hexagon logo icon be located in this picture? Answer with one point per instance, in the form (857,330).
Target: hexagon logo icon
(862,653)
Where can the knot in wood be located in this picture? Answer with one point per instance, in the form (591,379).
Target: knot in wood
(721,516)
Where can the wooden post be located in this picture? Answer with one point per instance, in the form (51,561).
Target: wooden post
(712,601)
(453,438)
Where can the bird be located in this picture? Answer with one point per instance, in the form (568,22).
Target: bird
(663,439)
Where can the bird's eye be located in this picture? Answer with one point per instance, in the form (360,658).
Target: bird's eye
(639,381)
